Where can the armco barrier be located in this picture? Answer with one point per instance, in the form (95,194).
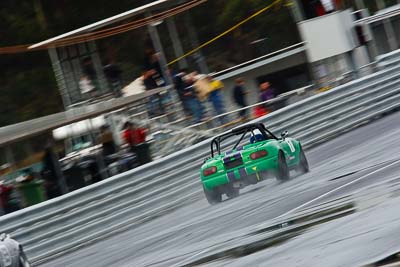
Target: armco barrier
(84,216)
(89,194)
(351,103)
(388,60)
(348,101)
(301,128)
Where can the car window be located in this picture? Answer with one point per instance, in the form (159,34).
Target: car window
(239,141)
(246,140)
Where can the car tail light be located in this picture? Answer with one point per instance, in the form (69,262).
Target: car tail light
(258,154)
(210,171)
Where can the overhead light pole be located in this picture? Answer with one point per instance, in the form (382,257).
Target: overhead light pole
(155,38)
(176,42)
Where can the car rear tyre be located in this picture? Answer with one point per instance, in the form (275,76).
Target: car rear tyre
(232,192)
(282,173)
(252,179)
(303,166)
(212,196)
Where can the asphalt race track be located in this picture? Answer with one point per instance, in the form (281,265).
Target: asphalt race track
(360,169)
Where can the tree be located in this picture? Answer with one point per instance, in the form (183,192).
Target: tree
(27,79)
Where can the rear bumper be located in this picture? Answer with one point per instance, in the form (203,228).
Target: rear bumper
(240,173)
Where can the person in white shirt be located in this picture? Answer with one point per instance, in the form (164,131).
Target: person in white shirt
(328,5)
(86,86)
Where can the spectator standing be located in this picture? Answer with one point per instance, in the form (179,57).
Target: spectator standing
(188,96)
(89,71)
(128,136)
(155,106)
(266,93)
(148,80)
(216,98)
(328,5)
(152,62)
(106,140)
(113,75)
(201,88)
(86,86)
(50,173)
(135,137)
(201,84)
(180,85)
(152,79)
(239,96)
(5,198)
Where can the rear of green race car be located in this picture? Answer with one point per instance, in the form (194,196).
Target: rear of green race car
(228,172)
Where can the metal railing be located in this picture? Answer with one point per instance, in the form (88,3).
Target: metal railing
(182,137)
(58,226)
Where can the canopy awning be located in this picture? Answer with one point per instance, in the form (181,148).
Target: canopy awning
(261,61)
(156,5)
(17,132)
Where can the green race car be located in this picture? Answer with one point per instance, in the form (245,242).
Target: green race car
(256,154)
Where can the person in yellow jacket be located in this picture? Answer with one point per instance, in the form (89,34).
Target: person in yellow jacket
(216,98)
(209,89)
(215,84)
(202,86)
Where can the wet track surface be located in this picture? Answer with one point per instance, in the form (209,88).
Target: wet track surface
(356,171)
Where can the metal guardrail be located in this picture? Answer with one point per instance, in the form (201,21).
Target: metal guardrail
(278,99)
(177,136)
(388,60)
(58,226)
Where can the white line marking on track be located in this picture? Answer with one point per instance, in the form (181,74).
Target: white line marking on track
(336,189)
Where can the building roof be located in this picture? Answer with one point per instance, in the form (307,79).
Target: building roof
(260,61)
(17,132)
(156,5)
(381,15)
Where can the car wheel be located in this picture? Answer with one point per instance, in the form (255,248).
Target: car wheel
(282,173)
(303,166)
(252,179)
(212,196)
(232,192)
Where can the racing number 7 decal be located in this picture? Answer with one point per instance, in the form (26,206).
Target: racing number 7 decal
(291,146)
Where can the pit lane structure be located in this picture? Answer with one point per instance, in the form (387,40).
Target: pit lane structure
(85,216)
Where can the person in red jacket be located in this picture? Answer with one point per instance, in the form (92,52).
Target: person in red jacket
(5,198)
(135,137)
(127,134)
